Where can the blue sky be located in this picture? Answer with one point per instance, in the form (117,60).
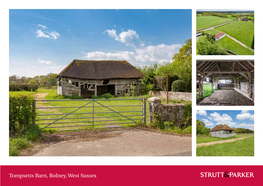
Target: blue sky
(233,118)
(44,41)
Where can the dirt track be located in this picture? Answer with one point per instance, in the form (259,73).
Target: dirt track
(122,143)
(226,98)
(218,142)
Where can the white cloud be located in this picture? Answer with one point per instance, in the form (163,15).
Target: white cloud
(208,123)
(141,54)
(158,53)
(41,34)
(146,55)
(245,115)
(201,112)
(121,55)
(42,26)
(248,126)
(44,62)
(126,37)
(54,34)
(49,35)
(224,119)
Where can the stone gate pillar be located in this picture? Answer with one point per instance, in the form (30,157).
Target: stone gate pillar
(154,103)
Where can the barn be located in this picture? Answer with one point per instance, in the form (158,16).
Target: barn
(222,131)
(232,79)
(219,36)
(97,77)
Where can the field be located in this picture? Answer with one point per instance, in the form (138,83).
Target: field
(233,46)
(203,22)
(211,139)
(212,31)
(241,30)
(243,147)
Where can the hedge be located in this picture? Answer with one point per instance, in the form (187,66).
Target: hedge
(21,115)
(23,87)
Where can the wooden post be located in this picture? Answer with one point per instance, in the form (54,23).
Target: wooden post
(167,87)
(33,111)
(212,85)
(249,85)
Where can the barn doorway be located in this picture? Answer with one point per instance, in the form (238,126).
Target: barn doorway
(85,92)
(103,89)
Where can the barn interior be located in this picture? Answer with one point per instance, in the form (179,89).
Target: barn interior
(232,82)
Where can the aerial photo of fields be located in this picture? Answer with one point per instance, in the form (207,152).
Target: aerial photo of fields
(225,32)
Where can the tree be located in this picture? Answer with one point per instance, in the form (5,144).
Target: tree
(44,82)
(33,82)
(182,64)
(52,78)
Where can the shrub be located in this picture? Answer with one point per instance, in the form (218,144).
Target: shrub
(178,86)
(33,133)
(23,87)
(17,144)
(20,114)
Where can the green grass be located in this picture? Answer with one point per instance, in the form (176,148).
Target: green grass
(206,90)
(212,31)
(243,147)
(233,46)
(203,22)
(241,30)
(211,139)
(15,93)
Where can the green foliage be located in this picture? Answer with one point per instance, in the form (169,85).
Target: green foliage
(242,130)
(20,114)
(178,86)
(187,119)
(52,79)
(182,64)
(201,129)
(33,132)
(23,87)
(147,80)
(209,47)
(16,145)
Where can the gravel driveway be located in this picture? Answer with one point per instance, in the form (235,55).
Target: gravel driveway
(123,143)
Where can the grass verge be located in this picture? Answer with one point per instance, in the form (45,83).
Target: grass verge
(243,147)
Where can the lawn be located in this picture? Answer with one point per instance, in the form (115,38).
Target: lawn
(243,147)
(203,22)
(211,139)
(233,46)
(241,30)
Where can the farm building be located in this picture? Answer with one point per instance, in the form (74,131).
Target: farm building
(232,79)
(222,131)
(90,77)
(219,36)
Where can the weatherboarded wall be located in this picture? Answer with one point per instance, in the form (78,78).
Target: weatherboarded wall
(187,96)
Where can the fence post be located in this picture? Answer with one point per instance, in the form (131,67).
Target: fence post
(144,110)
(34,111)
(93,114)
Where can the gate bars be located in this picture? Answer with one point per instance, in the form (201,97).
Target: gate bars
(90,103)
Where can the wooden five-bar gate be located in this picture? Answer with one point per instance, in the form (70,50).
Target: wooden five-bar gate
(76,114)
